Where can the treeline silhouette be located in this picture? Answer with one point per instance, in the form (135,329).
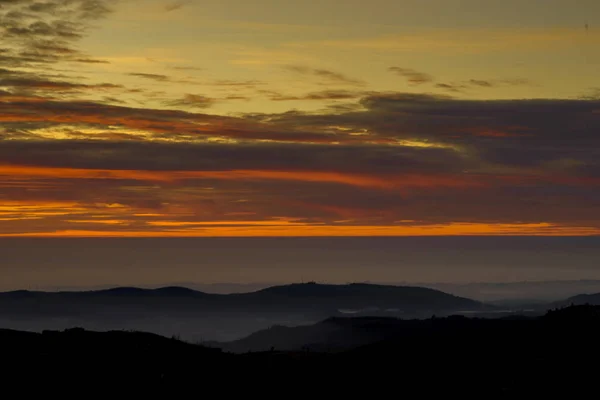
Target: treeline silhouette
(513,357)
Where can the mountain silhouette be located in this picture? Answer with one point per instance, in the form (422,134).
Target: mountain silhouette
(338,334)
(331,335)
(200,316)
(356,297)
(498,358)
(581,299)
(302,302)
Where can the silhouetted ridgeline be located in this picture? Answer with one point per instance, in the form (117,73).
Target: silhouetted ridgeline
(198,316)
(342,334)
(525,357)
(296,296)
(593,299)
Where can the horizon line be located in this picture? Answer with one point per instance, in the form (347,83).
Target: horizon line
(2,236)
(266,285)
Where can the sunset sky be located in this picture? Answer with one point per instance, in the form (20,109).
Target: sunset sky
(299,118)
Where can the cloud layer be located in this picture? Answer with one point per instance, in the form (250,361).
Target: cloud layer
(83,154)
(427,159)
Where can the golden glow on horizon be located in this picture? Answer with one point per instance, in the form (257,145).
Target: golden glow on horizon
(264,230)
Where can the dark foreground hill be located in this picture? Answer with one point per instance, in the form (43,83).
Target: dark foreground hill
(331,335)
(342,334)
(553,355)
(198,316)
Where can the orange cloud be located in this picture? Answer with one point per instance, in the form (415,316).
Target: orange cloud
(164,122)
(37,206)
(291,230)
(360,180)
(98,221)
(223,223)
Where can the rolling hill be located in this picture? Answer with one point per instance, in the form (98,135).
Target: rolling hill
(580,299)
(196,315)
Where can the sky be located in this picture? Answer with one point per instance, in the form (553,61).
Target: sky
(315,118)
(84,263)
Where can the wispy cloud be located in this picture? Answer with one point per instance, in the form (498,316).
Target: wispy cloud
(460,41)
(192,101)
(154,77)
(417,78)
(187,68)
(37,33)
(175,5)
(462,86)
(324,74)
(31,84)
(414,77)
(323,95)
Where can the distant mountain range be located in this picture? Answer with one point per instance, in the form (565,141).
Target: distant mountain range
(515,292)
(198,315)
(306,296)
(496,292)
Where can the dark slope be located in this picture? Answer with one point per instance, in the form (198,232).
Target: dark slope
(581,299)
(84,343)
(538,357)
(330,335)
(67,359)
(341,334)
